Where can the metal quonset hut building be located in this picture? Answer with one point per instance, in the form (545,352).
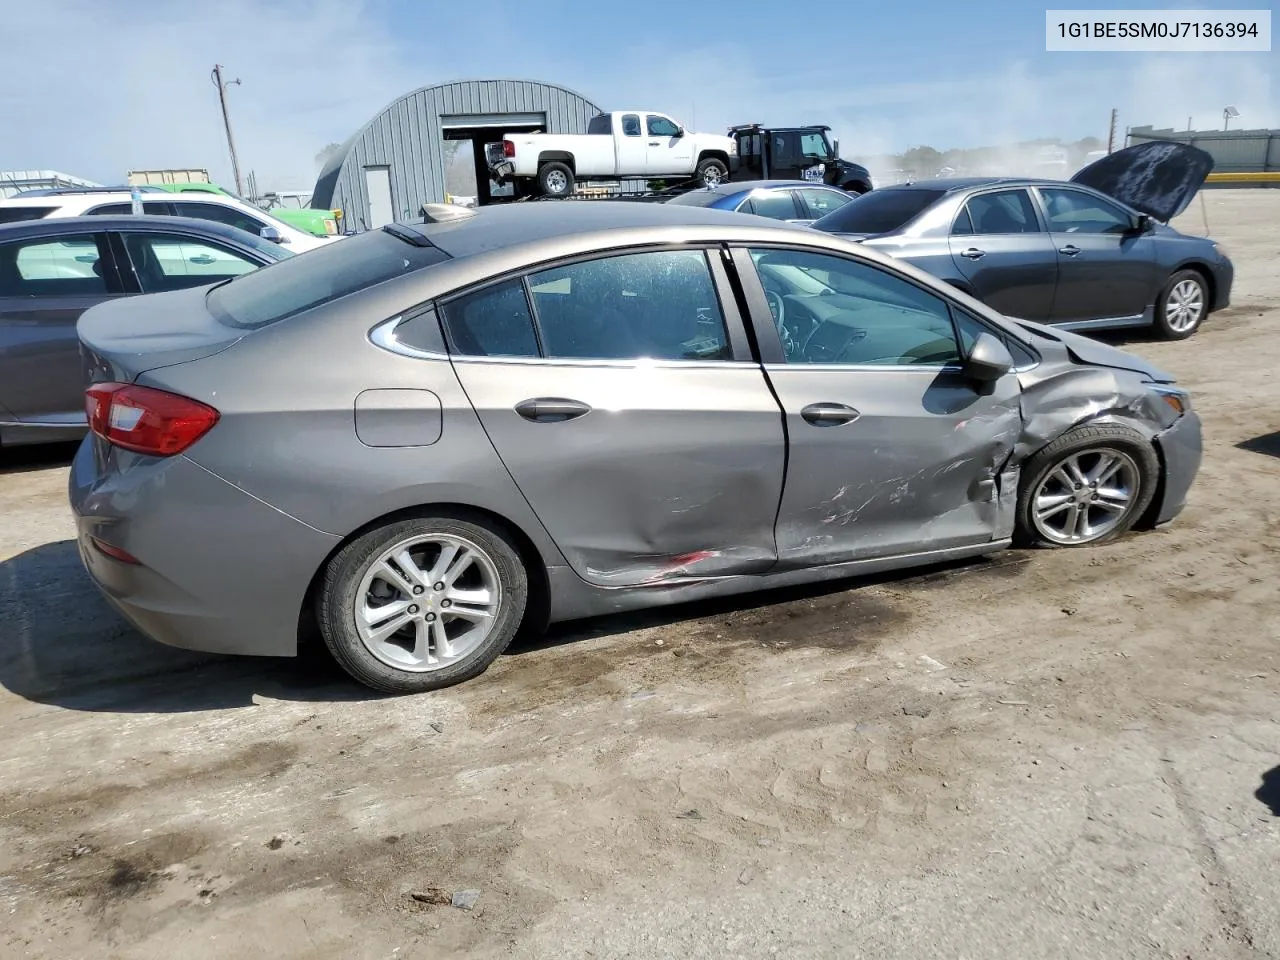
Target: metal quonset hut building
(396,162)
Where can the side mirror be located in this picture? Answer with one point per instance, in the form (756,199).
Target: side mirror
(679,132)
(835,148)
(272,234)
(1143,224)
(989,360)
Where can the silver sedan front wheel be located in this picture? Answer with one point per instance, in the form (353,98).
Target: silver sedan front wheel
(422,603)
(1183,305)
(1085,496)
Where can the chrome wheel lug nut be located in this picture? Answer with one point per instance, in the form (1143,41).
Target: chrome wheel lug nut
(438,587)
(413,608)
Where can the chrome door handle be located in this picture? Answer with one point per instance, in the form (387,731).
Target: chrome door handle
(1070,250)
(655,143)
(829,414)
(973,253)
(551,409)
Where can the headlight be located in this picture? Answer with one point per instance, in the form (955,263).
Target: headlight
(1178,400)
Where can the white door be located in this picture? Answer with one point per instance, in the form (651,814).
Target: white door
(666,151)
(377,183)
(631,146)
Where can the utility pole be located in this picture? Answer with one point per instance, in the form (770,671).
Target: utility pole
(1111,134)
(226,120)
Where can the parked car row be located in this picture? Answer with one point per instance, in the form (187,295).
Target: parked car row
(1091,253)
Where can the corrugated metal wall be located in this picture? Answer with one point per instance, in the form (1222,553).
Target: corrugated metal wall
(407,137)
(1233,151)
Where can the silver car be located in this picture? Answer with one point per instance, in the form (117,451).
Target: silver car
(430,434)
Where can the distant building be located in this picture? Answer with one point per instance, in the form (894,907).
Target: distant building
(397,161)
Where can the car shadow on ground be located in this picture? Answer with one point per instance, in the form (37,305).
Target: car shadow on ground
(62,644)
(42,456)
(1269,792)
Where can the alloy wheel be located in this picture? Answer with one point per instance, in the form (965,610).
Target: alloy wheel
(427,602)
(1085,496)
(556,182)
(1185,306)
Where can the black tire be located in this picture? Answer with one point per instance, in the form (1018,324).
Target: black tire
(711,172)
(1167,325)
(1084,442)
(337,603)
(555,179)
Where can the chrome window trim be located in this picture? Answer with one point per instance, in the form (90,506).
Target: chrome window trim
(384,335)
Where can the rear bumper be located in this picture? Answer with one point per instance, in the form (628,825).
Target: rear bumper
(1181,449)
(218,571)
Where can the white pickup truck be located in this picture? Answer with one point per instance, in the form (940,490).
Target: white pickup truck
(618,145)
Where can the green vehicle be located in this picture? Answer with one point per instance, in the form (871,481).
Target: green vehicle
(287,205)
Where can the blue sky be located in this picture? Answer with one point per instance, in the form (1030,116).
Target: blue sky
(126,84)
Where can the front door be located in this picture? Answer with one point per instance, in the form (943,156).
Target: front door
(1106,268)
(629,412)
(45,284)
(891,448)
(1004,255)
(667,150)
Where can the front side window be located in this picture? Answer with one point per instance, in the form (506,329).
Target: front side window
(1005,211)
(830,309)
(775,204)
(1072,211)
(66,266)
(173,262)
(154,207)
(630,125)
(814,146)
(662,127)
(822,202)
(784,147)
(660,305)
(219,213)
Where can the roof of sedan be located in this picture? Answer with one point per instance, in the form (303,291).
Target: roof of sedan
(947,184)
(509,225)
(746,186)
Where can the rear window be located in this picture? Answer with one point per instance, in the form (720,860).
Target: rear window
(318,276)
(16,214)
(880,211)
(697,198)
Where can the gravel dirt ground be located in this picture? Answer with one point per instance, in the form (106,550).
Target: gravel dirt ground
(1056,754)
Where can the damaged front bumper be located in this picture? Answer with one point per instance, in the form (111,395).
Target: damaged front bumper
(1181,448)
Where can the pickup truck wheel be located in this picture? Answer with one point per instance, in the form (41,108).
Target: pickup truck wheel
(555,179)
(712,172)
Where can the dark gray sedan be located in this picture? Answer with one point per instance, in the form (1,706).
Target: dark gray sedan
(429,433)
(1090,254)
(53,270)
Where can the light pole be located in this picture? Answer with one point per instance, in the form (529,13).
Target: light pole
(216,77)
(1229,114)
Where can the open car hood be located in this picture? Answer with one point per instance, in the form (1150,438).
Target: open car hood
(1159,178)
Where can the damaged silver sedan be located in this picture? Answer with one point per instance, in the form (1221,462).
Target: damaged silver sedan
(428,434)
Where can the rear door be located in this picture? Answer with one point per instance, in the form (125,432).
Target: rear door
(666,152)
(160,262)
(891,448)
(1000,248)
(45,284)
(631,145)
(620,393)
(1106,268)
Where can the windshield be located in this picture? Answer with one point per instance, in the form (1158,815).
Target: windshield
(880,211)
(291,286)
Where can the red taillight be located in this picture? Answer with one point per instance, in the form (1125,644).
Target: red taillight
(114,552)
(146,420)
(508,148)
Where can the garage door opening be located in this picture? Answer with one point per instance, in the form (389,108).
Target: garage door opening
(466,172)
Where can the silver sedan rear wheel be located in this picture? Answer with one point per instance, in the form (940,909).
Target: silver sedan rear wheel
(427,602)
(422,602)
(1086,496)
